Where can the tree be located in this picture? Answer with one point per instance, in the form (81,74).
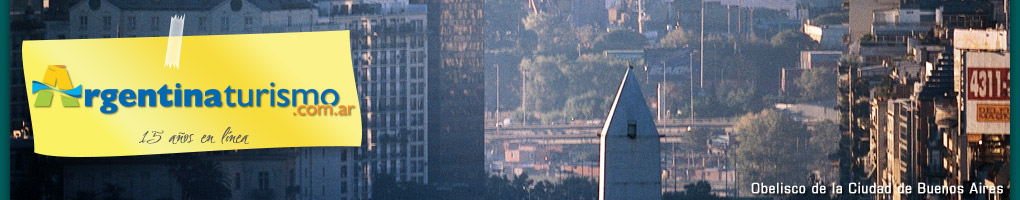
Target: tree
(576,188)
(200,179)
(586,106)
(386,186)
(594,72)
(522,187)
(772,148)
(620,39)
(555,36)
(544,87)
(817,85)
(823,136)
(675,38)
(112,192)
(698,190)
(793,39)
(696,140)
(831,18)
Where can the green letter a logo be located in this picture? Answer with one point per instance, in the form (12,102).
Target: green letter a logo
(56,77)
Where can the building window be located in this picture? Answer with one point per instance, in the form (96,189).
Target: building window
(83,22)
(107,22)
(343,171)
(131,22)
(237,181)
(155,24)
(201,23)
(226,24)
(343,187)
(632,129)
(263,180)
(249,23)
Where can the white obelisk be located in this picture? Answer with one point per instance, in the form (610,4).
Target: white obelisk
(629,166)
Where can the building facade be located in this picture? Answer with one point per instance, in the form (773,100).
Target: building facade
(456,94)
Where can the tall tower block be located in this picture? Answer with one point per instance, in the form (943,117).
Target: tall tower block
(629,166)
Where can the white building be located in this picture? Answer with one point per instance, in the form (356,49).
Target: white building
(124,18)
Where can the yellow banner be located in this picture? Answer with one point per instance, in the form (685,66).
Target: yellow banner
(114,97)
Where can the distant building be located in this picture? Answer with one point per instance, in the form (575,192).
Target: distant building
(123,18)
(390,53)
(827,36)
(862,15)
(249,174)
(456,61)
(820,59)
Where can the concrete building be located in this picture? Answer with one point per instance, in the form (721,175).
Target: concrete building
(249,174)
(389,47)
(862,15)
(456,136)
(828,37)
(932,133)
(121,18)
(820,59)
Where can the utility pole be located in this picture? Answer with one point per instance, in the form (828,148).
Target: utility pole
(702,53)
(641,16)
(497,101)
(691,58)
(665,114)
(524,96)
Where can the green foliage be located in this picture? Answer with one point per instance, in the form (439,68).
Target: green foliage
(521,117)
(200,179)
(676,38)
(867,37)
(831,18)
(587,106)
(620,39)
(793,39)
(699,190)
(544,89)
(772,148)
(509,84)
(555,36)
(502,24)
(696,140)
(386,187)
(523,188)
(817,85)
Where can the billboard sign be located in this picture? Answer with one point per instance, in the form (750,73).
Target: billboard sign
(676,61)
(987,86)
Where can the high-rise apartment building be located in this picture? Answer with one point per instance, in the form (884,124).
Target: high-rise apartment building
(390,54)
(456,94)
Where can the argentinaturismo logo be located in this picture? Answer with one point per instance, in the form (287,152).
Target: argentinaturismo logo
(308,102)
(56,80)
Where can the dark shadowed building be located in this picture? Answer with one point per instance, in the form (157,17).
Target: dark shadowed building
(455,93)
